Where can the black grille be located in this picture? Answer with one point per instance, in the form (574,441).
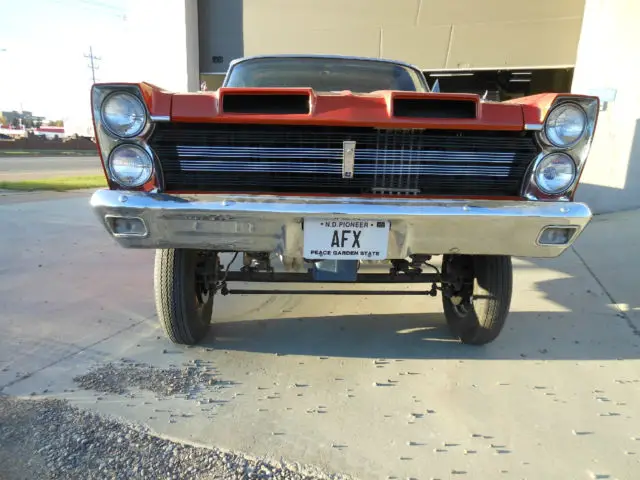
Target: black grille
(308,159)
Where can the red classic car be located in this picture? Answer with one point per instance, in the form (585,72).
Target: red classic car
(325,162)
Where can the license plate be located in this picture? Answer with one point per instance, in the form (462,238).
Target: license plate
(339,239)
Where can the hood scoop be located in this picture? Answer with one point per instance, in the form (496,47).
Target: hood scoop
(266,103)
(435,108)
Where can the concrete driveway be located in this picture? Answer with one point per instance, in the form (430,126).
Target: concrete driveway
(368,386)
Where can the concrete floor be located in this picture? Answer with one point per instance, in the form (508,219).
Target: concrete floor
(26,168)
(369,386)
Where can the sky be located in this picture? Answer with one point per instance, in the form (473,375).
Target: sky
(42,48)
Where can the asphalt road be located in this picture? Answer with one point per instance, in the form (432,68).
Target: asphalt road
(368,386)
(24,168)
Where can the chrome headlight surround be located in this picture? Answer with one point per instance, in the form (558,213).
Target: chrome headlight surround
(107,140)
(547,165)
(117,100)
(551,129)
(578,151)
(143,163)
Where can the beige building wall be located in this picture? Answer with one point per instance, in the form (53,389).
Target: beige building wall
(608,63)
(433,34)
(172,60)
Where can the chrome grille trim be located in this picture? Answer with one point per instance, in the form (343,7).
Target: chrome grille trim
(258,152)
(336,153)
(360,169)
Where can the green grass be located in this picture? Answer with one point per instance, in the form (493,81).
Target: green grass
(47,153)
(61,184)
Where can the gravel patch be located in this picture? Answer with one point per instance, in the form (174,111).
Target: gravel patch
(50,439)
(118,378)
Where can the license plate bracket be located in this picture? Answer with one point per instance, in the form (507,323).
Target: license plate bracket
(346,239)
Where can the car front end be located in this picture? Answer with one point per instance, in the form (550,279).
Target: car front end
(328,179)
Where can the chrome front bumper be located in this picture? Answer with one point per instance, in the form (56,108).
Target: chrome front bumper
(274,224)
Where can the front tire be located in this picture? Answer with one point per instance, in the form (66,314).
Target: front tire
(480,310)
(183,295)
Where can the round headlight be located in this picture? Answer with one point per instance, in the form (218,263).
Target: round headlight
(130,165)
(555,173)
(565,125)
(124,114)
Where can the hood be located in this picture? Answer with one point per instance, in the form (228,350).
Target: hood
(381,109)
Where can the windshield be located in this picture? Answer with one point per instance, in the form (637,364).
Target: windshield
(325,74)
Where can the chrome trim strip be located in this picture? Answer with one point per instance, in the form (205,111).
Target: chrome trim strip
(258,152)
(348,162)
(347,170)
(221,166)
(535,127)
(269,223)
(337,154)
(160,118)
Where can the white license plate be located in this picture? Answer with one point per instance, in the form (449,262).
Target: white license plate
(340,239)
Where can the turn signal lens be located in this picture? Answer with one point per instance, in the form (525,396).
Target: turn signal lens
(556,235)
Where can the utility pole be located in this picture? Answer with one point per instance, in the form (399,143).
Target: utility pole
(92,65)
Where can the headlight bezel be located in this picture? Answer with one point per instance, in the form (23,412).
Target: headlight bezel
(137,100)
(560,106)
(143,148)
(540,162)
(106,141)
(577,151)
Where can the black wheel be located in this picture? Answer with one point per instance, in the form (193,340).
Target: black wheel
(184,282)
(477,305)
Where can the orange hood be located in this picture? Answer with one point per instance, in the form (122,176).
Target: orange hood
(381,109)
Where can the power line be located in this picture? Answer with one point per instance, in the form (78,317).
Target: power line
(92,65)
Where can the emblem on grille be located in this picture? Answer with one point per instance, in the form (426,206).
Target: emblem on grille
(348,158)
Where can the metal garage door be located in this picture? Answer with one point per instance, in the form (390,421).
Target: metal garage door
(433,34)
(220,26)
